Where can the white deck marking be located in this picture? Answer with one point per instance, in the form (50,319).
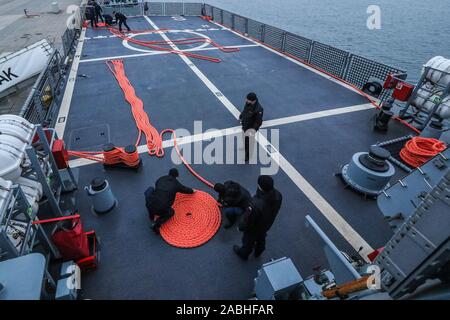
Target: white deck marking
(235,130)
(68,93)
(170,143)
(349,234)
(291,59)
(316,115)
(227,103)
(160,52)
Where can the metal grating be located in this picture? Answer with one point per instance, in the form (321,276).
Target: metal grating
(298,46)
(174,8)
(273,37)
(227,19)
(255,29)
(208,10)
(239,24)
(360,69)
(328,58)
(217,15)
(155,8)
(193,9)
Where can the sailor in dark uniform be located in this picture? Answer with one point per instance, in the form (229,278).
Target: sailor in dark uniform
(121,19)
(251,120)
(258,219)
(159,199)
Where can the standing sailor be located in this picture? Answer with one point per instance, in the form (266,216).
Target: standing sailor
(90,13)
(121,19)
(98,12)
(258,218)
(251,119)
(159,200)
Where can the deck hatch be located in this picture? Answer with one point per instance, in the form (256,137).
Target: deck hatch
(89,137)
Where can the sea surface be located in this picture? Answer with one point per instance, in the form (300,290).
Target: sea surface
(412,31)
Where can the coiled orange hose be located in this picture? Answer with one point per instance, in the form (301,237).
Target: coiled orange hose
(419,150)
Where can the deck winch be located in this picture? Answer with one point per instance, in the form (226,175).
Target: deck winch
(369,172)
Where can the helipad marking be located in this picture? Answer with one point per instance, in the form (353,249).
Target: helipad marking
(161,52)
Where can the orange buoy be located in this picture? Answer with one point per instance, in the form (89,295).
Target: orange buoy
(197,219)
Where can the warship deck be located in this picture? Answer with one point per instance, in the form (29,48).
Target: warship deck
(321,124)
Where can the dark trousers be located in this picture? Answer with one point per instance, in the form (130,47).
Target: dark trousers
(98,15)
(163,215)
(252,241)
(124,22)
(93,20)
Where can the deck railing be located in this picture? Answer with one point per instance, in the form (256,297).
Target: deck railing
(352,68)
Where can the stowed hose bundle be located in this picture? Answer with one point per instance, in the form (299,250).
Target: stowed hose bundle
(419,150)
(129,156)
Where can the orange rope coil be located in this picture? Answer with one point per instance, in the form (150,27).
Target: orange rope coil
(419,150)
(197,219)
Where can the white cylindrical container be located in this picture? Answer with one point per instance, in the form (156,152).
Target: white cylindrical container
(15,135)
(103,199)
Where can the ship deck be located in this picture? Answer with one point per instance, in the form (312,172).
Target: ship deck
(321,124)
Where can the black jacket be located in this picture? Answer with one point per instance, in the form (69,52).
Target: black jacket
(264,209)
(120,17)
(234,195)
(164,194)
(252,116)
(98,8)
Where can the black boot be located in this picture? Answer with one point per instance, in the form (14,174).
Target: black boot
(237,250)
(156,227)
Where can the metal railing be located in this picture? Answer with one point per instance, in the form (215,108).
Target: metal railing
(43,101)
(354,69)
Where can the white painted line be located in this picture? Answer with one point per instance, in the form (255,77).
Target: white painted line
(161,52)
(235,130)
(291,59)
(349,234)
(63,113)
(316,115)
(227,103)
(170,143)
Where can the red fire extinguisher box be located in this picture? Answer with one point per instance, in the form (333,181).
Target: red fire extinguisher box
(402,91)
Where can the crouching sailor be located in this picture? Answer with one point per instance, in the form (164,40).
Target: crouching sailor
(234,200)
(159,199)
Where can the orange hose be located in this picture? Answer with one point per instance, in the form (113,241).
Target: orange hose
(153,137)
(418,150)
